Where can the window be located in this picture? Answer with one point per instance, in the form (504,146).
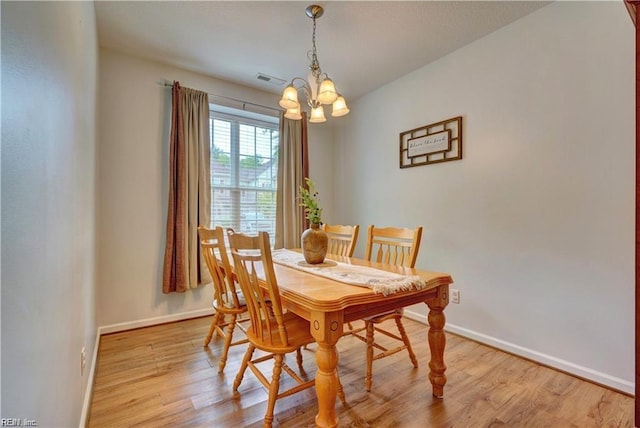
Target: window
(244,168)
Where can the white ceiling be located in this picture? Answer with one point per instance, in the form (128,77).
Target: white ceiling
(361,44)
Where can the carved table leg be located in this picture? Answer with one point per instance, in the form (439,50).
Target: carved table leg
(326,328)
(437,340)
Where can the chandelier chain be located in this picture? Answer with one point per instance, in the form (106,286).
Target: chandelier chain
(315,65)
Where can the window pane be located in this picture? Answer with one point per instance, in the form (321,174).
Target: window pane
(247,140)
(220,152)
(221,135)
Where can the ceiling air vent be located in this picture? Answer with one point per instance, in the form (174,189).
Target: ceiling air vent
(270,79)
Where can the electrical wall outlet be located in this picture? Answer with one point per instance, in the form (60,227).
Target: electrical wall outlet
(455,295)
(83,361)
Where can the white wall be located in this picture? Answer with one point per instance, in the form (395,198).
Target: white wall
(536,223)
(49,66)
(132,185)
(321,165)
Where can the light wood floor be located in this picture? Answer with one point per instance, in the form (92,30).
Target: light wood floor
(162,376)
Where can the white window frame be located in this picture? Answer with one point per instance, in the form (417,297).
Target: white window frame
(256,221)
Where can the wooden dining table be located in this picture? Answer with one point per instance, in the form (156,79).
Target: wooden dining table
(327,304)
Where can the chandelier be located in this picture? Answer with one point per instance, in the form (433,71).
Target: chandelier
(318,88)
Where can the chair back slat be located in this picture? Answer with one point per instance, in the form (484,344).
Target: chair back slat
(393,245)
(252,260)
(215,254)
(341,239)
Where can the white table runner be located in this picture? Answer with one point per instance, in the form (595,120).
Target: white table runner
(379,281)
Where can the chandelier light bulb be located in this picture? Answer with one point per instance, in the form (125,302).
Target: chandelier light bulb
(317,115)
(293,113)
(290,98)
(328,92)
(339,107)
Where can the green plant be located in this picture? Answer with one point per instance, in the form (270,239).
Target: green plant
(309,200)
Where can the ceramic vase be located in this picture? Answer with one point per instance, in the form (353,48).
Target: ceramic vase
(314,244)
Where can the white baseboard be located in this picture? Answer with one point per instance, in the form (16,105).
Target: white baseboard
(114,328)
(604,379)
(88,393)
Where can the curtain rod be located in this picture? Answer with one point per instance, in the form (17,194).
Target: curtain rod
(244,103)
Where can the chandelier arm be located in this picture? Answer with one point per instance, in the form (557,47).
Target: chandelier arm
(306,89)
(304,81)
(307,93)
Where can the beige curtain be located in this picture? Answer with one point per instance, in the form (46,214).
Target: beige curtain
(189,190)
(293,167)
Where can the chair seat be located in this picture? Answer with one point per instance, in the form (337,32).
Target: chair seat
(228,304)
(378,318)
(298,332)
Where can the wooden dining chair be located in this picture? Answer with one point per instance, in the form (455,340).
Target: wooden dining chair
(341,239)
(228,302)
(272,330)
(394,246)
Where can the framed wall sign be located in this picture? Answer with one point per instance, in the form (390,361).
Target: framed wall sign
(438,142)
